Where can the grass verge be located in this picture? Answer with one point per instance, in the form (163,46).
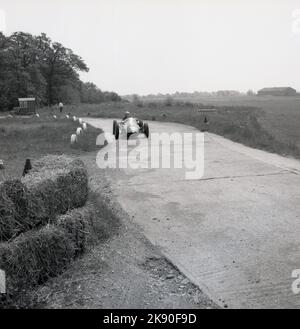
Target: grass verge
(32,138)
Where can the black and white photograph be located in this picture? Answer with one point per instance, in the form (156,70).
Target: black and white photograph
(149,157)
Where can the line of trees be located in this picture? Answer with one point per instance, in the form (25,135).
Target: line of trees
(34,66)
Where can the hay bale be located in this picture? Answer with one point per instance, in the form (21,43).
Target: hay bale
(80,121)
(41,202)
(78,223)
(59,189)
(34,257)
(73,139)
(78,131)
(29,207)
(52,162)
(71,190)
(19,195)
(49,189)
(9,224)
(74,118)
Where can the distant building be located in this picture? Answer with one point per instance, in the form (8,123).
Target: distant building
(277,91)
(26,106)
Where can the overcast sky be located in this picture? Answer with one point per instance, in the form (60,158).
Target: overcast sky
(151,46)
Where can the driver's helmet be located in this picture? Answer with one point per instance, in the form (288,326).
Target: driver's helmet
(127,114)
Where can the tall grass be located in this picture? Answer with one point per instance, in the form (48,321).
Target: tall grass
(22,138)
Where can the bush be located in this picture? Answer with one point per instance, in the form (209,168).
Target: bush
(35,256)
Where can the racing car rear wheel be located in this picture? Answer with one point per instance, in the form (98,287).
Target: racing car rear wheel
(146,129)
(117,132)
(114,126)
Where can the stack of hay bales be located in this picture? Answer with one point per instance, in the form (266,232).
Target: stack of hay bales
(33,257)
(61,182)
(54,185)
(41,229)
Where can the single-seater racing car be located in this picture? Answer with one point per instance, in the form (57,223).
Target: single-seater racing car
(129,127)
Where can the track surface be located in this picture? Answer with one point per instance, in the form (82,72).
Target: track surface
(235,232)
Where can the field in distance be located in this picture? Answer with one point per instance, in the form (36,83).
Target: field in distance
(280,116)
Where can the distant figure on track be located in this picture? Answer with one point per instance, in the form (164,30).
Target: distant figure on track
(61,107)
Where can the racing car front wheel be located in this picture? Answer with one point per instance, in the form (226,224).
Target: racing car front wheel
(114,126)
(117,132)
(146,129)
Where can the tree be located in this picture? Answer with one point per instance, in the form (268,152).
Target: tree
(61,69)
(35,66)
(90,93)
(250,93)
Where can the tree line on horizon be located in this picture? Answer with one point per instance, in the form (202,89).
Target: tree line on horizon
(35,66)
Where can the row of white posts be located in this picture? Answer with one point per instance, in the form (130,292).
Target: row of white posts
(79,130)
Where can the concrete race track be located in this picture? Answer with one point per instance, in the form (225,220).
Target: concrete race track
(235,232)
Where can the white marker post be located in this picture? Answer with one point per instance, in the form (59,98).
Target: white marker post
(78,131)
(2,282)
(73,139)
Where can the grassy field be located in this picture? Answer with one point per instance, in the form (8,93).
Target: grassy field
(268,123)
(280,116)
(32,137)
